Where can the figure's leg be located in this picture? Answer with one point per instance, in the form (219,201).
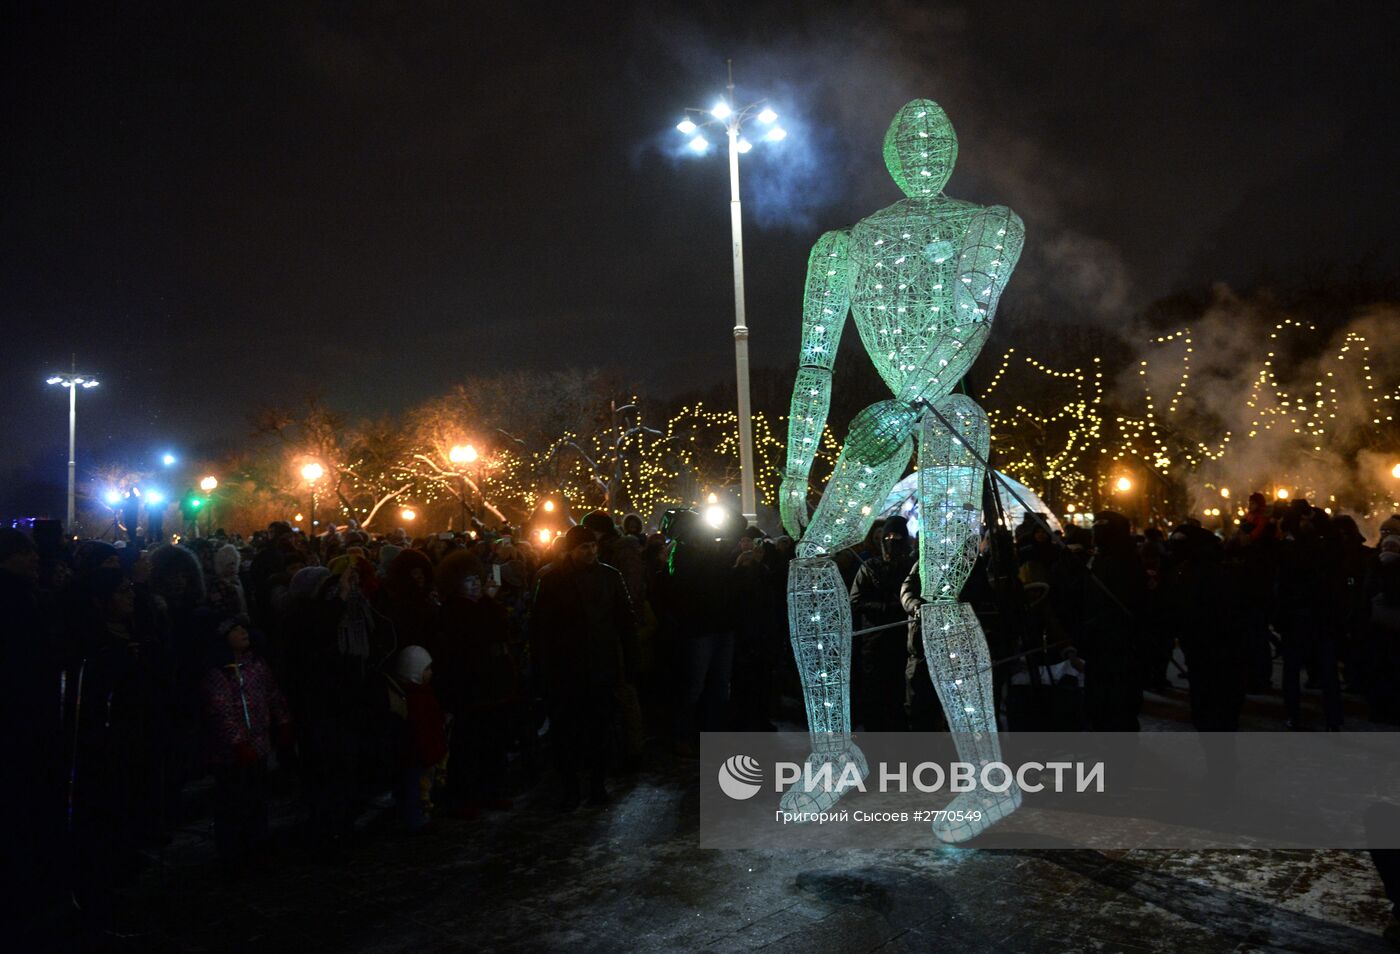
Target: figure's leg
(819,616)
(950,520)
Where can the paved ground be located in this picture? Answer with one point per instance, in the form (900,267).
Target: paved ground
(630,877)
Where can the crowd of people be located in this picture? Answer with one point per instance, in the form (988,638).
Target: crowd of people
(440,677)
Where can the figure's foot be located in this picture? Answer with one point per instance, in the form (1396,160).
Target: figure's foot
(847,770)
(969,814)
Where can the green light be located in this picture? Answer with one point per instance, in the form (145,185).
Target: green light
(922,279)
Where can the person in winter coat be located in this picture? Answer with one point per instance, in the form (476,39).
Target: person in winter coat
(422,741)
(584,634)
(345,746)
(1102,602)
(119,692)
(406,597)
(30,741)
(1201,605)
(875,601)
(700,588)
(225,589)
(477,682)
(244,716)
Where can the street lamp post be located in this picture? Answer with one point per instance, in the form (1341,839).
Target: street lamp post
(733,118)
(312,472)
(209,485)
(466,454)
(72,380)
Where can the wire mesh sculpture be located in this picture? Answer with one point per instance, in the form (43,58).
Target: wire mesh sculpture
(921,279)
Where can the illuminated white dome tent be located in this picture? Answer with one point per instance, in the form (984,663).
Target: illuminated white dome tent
(903,500)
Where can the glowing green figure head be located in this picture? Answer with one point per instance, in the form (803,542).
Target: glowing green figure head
(921,148)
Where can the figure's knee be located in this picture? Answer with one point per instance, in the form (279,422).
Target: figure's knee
(964,415)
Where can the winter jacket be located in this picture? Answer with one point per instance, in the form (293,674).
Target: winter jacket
(243,707)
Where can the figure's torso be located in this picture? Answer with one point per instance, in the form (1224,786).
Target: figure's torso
(903,266)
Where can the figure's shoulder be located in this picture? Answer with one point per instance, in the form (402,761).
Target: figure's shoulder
(833,242)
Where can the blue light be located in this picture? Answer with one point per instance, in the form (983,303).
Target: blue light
(112,497)
(168,460)
(154,498)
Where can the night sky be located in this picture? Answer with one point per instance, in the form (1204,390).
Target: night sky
(224,205)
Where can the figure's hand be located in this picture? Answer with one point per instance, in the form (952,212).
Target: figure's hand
(879,431)
(792,505)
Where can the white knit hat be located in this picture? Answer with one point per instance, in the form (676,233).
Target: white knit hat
(410,663)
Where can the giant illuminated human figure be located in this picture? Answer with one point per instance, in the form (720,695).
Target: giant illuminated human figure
(922,279)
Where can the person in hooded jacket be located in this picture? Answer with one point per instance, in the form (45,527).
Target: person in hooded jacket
(225,595)
(406,597)
(422,737)
(245,714)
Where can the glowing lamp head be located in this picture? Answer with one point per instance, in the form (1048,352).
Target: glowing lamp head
(721,110)
(154,498)
(54,380)
(298,518)
(89,384)
(208,484)
(112,497)
(168,460)
(1069,509)
(1122,485)
(776,134)
(1225,493)
(712,499)
(542,536)
(313,471)
(409,514)
(743,145)
(699,144)
(1281,493)
(1395,471)
(549,506)
(767,117)
(715,516)
(462,454)
(686,126)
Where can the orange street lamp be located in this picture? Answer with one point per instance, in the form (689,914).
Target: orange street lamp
(409,514)
(467,454)
(208,485)
(312,472)
(1123,485)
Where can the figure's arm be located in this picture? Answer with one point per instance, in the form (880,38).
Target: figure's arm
(989,251)
(826,300)
(991,247)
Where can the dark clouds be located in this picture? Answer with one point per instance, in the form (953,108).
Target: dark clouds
(224,205)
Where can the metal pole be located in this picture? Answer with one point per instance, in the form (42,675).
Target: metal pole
(748,498)
(72,452)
